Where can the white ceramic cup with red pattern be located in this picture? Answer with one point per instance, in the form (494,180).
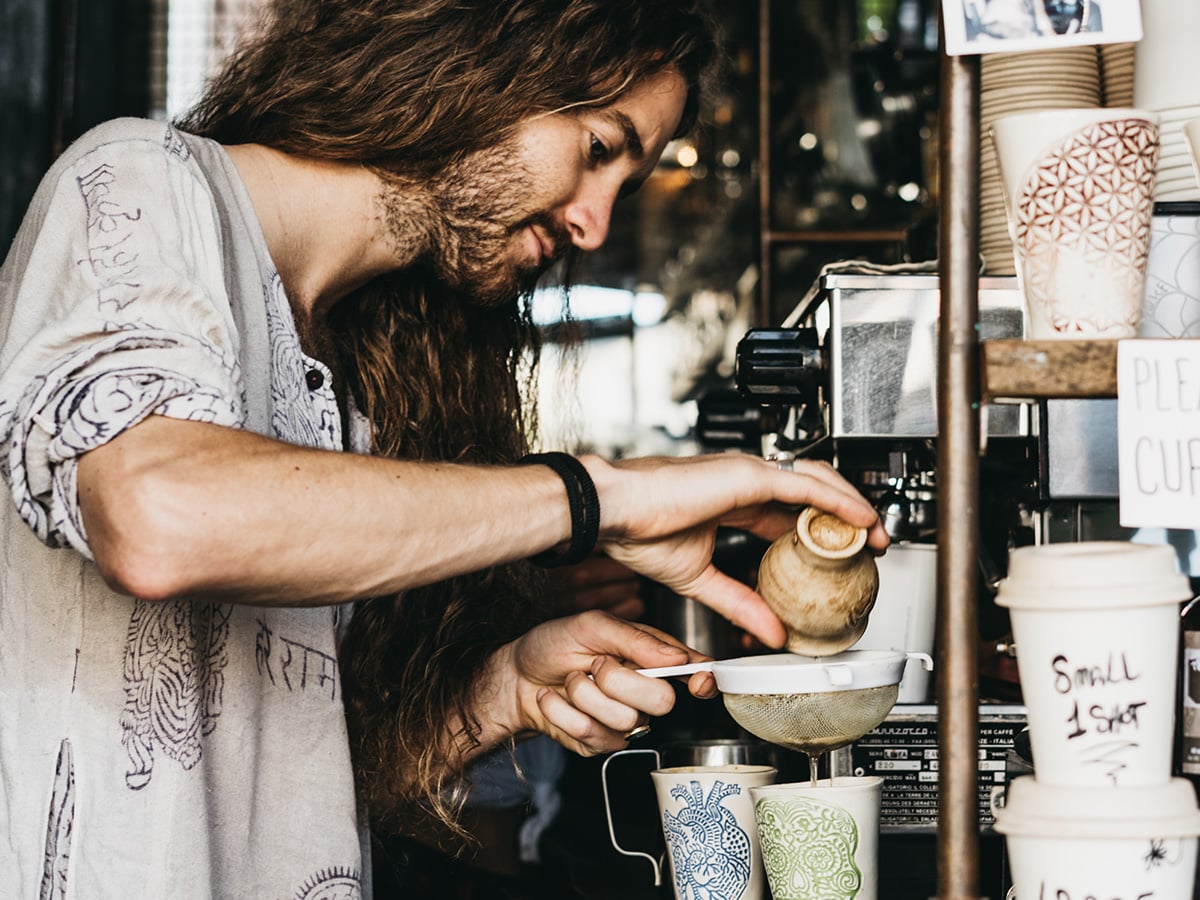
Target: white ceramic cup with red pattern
(1079,194)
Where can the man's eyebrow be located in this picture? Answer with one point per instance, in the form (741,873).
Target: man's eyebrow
(633,141)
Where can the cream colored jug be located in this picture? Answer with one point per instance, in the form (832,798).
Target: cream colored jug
(821,581)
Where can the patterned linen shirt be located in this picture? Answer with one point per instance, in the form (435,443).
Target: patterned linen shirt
(178,749)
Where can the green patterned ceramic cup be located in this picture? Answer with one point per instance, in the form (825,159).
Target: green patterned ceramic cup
(820,841)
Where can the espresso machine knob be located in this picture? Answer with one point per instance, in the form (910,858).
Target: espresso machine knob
(780,365)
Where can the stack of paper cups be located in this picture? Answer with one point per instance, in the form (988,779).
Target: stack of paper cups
(1096,625)
(1166,73)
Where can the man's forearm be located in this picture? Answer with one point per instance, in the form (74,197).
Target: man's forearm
(178,508)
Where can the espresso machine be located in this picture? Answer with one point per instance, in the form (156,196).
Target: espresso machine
(850,377)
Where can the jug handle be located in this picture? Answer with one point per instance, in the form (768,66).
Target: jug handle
(612,834)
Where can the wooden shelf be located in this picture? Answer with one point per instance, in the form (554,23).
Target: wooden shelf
(1037,370)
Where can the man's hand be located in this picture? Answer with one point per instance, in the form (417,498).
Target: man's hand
(575,680)
(660,517)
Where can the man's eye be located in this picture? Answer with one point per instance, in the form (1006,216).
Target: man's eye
(597,151)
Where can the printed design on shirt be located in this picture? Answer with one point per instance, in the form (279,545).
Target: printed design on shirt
(174,144)
(333,883)
(294,665)
(175,658)
(90,395)
(111,260)
(299,415)
(59,826)
(84,411)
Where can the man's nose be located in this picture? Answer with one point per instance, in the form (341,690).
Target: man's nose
(589,215)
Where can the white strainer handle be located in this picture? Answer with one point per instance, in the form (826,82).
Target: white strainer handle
(669,671)
(925,658)
(839,675)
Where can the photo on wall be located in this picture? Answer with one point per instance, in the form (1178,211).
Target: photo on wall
(1006,26)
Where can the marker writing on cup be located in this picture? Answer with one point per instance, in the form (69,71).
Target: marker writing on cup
(1060,894)
(1104,717)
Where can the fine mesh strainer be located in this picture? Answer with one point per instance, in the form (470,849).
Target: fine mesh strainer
(805,703)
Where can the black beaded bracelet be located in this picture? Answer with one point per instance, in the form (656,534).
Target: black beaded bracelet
(584,505)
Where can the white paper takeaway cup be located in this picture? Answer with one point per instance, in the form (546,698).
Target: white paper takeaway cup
(1099,842)
(1096,625)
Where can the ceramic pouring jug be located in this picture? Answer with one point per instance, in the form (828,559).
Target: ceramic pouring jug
(821,582)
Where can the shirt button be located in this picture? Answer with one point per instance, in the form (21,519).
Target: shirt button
(314,379)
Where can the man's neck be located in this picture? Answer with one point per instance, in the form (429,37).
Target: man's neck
(324,225)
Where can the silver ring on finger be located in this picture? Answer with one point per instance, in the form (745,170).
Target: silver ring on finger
(639,732)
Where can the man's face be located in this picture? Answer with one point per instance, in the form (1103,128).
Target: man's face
(508,213)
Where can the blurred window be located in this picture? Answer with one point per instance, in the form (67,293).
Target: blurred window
(193,37)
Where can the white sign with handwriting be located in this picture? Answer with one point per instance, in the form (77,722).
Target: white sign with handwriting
(1158,425)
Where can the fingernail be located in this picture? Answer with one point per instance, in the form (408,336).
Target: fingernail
(542,693)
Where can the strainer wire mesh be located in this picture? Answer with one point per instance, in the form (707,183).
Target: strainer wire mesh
(813,722)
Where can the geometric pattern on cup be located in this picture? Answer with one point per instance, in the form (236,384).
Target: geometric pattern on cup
(1082,226)
(1172,302)
(710,852)
(808,849)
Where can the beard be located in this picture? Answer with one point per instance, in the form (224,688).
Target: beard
(470,215)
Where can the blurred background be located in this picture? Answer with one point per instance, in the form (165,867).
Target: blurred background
(827,152)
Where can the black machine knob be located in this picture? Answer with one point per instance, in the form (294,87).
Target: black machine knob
(780,365)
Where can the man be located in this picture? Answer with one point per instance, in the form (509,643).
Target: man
(330,255)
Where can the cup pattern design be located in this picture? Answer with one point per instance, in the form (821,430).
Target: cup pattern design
(808,849)
(1083,216)
(710,851)
(1172,302)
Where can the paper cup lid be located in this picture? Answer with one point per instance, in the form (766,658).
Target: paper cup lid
(1092,574)
(790,673)
(1035,809)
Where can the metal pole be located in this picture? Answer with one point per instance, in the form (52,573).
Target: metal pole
(763,315)
(958,482)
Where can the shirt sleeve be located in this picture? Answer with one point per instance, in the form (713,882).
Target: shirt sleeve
(119,311)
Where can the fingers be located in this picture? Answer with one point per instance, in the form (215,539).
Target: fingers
(833,493)
(606,635)
(703,685)
(573,728)
(594,713)
(739,604)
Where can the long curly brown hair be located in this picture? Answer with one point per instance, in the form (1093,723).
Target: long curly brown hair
(408,88)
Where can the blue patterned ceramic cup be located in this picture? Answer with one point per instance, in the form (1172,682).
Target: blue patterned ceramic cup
(741,764)
(708,823)
(822,840)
